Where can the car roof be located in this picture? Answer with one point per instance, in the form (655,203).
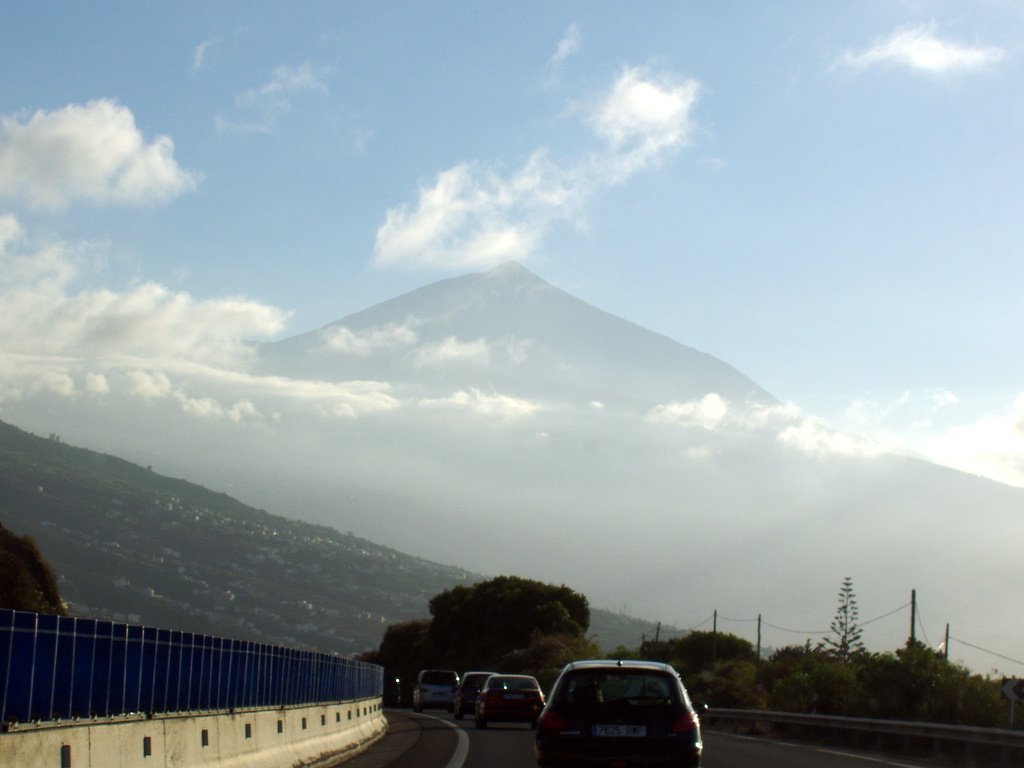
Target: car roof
(502,674)
(652,666)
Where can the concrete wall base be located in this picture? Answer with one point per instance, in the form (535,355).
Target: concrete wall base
(292,737)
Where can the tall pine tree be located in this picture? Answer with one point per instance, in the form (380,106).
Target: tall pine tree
(844,641)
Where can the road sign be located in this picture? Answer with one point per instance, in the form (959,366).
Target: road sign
(1013,689)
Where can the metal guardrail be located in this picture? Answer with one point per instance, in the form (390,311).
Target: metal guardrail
(55,667)
(1002,741)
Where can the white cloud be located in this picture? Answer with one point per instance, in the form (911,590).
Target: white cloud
(211,410)
(707,413)
(474,216)
(641,117)
(451,350)
(919,48)
(92,152)
(517,350)
(712,413)
(920,424)
(10,231)
(814,438)
(789,425)
(567,46)
(199,53)
(991,446)
(865,413)
(96,384)
(481,404)
(345,399)
(149,385)
(260,109)
(370,340)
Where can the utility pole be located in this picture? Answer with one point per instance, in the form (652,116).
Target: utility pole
(913,616)
(657,632)
(714,639)
(759,638)
(945,645)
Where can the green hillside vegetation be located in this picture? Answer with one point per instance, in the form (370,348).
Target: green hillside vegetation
(26,581)
(128,544)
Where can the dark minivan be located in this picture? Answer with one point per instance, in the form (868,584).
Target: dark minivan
(604,712)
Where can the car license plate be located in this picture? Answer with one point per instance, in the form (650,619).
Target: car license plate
(628,731)
(513,696)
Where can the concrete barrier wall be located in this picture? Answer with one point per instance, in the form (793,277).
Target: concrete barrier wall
(252,738)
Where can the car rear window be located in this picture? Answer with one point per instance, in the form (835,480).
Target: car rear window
(438,678)
(513,683)
(598,687)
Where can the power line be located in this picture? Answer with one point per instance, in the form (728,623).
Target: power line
(709,618)
(814,631)
(883,616)
(920,624)
(797,631)
(986,650)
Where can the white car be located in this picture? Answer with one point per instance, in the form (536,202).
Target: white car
(435,689)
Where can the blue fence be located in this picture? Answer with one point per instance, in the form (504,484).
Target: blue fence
(55,667)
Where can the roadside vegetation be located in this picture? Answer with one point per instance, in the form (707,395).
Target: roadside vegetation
(911,683)
(515,625)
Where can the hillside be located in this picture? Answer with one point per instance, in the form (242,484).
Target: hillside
(131,545)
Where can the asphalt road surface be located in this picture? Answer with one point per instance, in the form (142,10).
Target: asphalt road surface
(435,740)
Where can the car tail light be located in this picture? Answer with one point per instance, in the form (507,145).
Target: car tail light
(551,721)
(685,723)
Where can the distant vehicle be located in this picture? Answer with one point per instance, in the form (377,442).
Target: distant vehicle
(607,712)
(466,693)
(509,698)
(435,689)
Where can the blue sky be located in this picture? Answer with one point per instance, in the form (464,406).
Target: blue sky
(827,196)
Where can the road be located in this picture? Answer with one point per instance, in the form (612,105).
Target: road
(438,741)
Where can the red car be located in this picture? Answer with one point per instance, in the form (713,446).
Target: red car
(468,690)
(509,698)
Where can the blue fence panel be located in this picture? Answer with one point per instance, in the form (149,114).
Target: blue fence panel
(58,667)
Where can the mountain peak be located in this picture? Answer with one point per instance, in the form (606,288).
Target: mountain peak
(510,269)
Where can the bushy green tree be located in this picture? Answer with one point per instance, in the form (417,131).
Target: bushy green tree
(404,651)
(700,651)
(728,684)
(801,679)
(917,683)
(476,626)
(546,655)
(27,582)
